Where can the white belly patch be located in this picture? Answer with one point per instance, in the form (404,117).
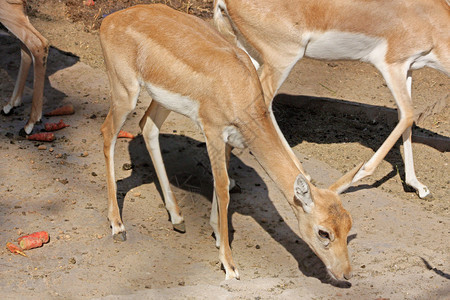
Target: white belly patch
(174,102)
(334,45)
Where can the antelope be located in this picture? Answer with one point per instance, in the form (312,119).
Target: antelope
(396,36)
(187,67)
(34,49)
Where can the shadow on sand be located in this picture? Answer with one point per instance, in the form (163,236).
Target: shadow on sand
(10,62)
(332,121)
(183,153)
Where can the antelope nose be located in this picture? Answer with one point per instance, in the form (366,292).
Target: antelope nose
(348,275)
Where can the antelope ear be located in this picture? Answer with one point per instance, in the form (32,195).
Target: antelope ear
(302,193)
(345,181)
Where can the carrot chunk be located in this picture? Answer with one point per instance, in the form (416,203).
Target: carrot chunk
(14,249)
(124,134)
(42,136)
(42,235)
(55,126)
(30,243)
(60,111)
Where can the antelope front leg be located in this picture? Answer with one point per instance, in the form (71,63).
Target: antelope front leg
(124,95)
(217,155)
(410,173)
(214,218)
(399,85)
(109,133)
(40,65)
(16,98)
(34,49)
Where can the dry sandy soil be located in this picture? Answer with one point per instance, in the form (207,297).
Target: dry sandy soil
(399,243)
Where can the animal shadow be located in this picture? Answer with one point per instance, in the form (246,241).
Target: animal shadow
(181,153)
(331,121)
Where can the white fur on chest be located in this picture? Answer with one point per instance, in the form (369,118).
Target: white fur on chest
(233,137)
(174,102)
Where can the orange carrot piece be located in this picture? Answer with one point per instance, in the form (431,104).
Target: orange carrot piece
(42,136)
(60,111)
(14,249)
(55,126)
(30,243)
(89,2)
(124,134)
(42,235)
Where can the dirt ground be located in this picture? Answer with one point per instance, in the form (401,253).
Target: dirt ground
(334,115)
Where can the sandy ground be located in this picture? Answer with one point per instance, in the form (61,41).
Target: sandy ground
(399,243)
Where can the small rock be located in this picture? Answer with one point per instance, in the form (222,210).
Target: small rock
(72,260)
(42,147)
(63,180)
(127,166)
(84,154)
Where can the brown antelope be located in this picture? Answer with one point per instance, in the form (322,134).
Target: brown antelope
(34,49)
(396,36)
(189,68)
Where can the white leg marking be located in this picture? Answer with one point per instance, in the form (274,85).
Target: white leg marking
(410,174)
(151,137)
(214,219)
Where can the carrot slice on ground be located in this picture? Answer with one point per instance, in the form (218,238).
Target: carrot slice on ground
(55,126)
(15,249)
(89,2)
(60,111)
(124,134)
(42,136)
(30,243)
(42,235)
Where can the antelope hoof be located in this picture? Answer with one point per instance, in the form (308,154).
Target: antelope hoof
(6,111)
(232,274)
(120,236)
(421,190)
(22,133)
(28,128)
(424,193)
(180,227)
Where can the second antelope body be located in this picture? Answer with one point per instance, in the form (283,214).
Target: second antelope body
(189,68)
(396,36)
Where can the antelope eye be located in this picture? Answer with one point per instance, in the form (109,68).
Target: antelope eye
(323,234)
